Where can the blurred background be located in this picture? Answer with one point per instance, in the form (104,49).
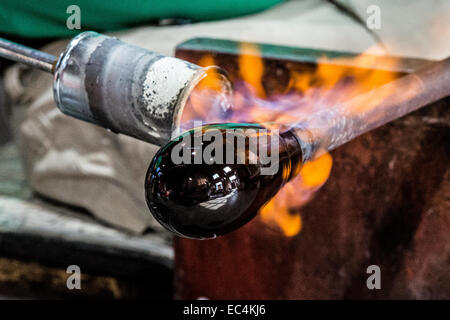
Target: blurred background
(73,194)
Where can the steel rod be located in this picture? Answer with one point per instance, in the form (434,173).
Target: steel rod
(29,56)
(329,128)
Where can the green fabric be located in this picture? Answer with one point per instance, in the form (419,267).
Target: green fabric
(47,18)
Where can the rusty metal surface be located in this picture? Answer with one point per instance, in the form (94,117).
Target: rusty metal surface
(385,203)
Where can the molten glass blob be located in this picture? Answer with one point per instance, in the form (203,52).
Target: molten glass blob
(195,199)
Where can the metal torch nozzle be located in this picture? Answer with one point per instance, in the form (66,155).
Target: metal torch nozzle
(121,87)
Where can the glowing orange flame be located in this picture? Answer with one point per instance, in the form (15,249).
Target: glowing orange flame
(307,91)
(209,91)
(252,68)
(275,211)
(315,173)
(280,209)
